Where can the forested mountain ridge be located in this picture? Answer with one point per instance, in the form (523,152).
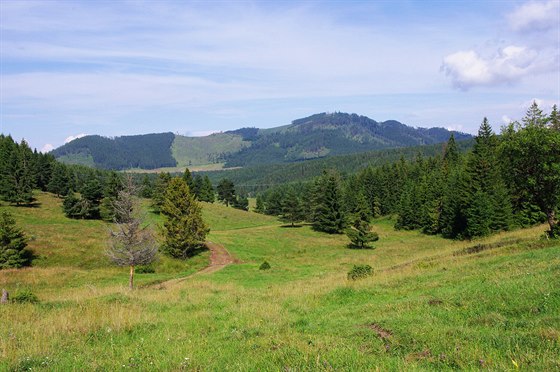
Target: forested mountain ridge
(328,134)
(316,136)
(148,151)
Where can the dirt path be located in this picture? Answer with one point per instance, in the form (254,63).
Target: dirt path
(219,258)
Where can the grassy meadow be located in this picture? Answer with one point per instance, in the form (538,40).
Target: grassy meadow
(431,303)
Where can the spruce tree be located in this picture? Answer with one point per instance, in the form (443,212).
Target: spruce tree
(226,192)
(18,175)
(260,207)
(292,210)
(360,233)
(188,178)
(183,230)
(12,243)
(59,182)
(158,195)
(207,192)
(146,190)
(241,202)
(327,209)
(554,119)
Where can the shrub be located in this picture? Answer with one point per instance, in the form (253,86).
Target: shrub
(359,272)
(264,266)
(145,269)
(25,296)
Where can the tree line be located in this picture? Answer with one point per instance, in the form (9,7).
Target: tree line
(506,181)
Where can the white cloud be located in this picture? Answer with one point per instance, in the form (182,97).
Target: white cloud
(46,148)
(468,68)
(535,16)
(506,119)
(455,127)
(72,138)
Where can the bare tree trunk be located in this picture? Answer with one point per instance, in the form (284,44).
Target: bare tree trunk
(5,297)
(131,279)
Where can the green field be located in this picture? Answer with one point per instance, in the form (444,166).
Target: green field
(201,151)
(431,304)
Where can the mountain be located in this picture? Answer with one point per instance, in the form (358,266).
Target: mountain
(316,136)
(148,151)
(327,134)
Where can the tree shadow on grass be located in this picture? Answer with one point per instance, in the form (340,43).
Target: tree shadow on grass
(358,247)
(198,250)
(291,226)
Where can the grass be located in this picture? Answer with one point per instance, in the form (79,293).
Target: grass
(197,151)
(425,307)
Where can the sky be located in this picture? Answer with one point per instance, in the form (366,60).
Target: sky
(71,68)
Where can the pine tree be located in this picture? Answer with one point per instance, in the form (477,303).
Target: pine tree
(532,160)
(146,190)
(188,178)
(183,230)
(327,209)
(59,183)
(360,233)
(207,192)
(451,153)
(18,173)
(158,195)
(12,243)
(292,210)
(534,116)
(260,207)
(43,170)
(554,119)
(92,194)
(226,192)
(131,242)
(113,185)
(241,202)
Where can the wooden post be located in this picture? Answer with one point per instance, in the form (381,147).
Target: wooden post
(5,297)
(131,279)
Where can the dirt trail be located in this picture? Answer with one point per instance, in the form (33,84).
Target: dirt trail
(219,258)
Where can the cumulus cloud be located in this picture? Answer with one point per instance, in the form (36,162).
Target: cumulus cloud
(535,16)
(47,148)
(72,138)
(468,68)
(506,119)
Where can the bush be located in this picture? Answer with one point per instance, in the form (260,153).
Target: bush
(25,296)
(145,269)
(359,272)
(264,266)
(554,232)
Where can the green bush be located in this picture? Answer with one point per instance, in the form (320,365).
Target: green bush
(264,266)
(145,269)
(359,272)
(25,296)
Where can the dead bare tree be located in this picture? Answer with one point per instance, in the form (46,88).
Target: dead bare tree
(131,242)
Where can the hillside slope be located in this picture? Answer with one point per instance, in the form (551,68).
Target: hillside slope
(316,136)
(431,304)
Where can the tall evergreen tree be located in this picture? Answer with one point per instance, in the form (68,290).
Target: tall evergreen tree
(292,210)
(158,195)
(183,230)
(226,192)
(360,233)
(327,212)
(188,178)
(554,119)
(532,159)
(18,174)
(207,191)
(260,207)
(60,180)
(12,243)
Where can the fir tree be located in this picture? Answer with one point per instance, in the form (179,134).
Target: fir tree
(158,195)
(226,192)
(241,202)
(260,207)
(183,230)
(292,211)
(12,243)
(147,187)
(59,183)
(360,233)
(188,178)
(554,119)
(207,191)
(328,215)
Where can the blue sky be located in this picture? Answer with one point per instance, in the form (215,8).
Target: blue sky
(70,68)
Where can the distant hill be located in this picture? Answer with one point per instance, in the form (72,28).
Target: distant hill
(148,151)
(316,136)
(326,134)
